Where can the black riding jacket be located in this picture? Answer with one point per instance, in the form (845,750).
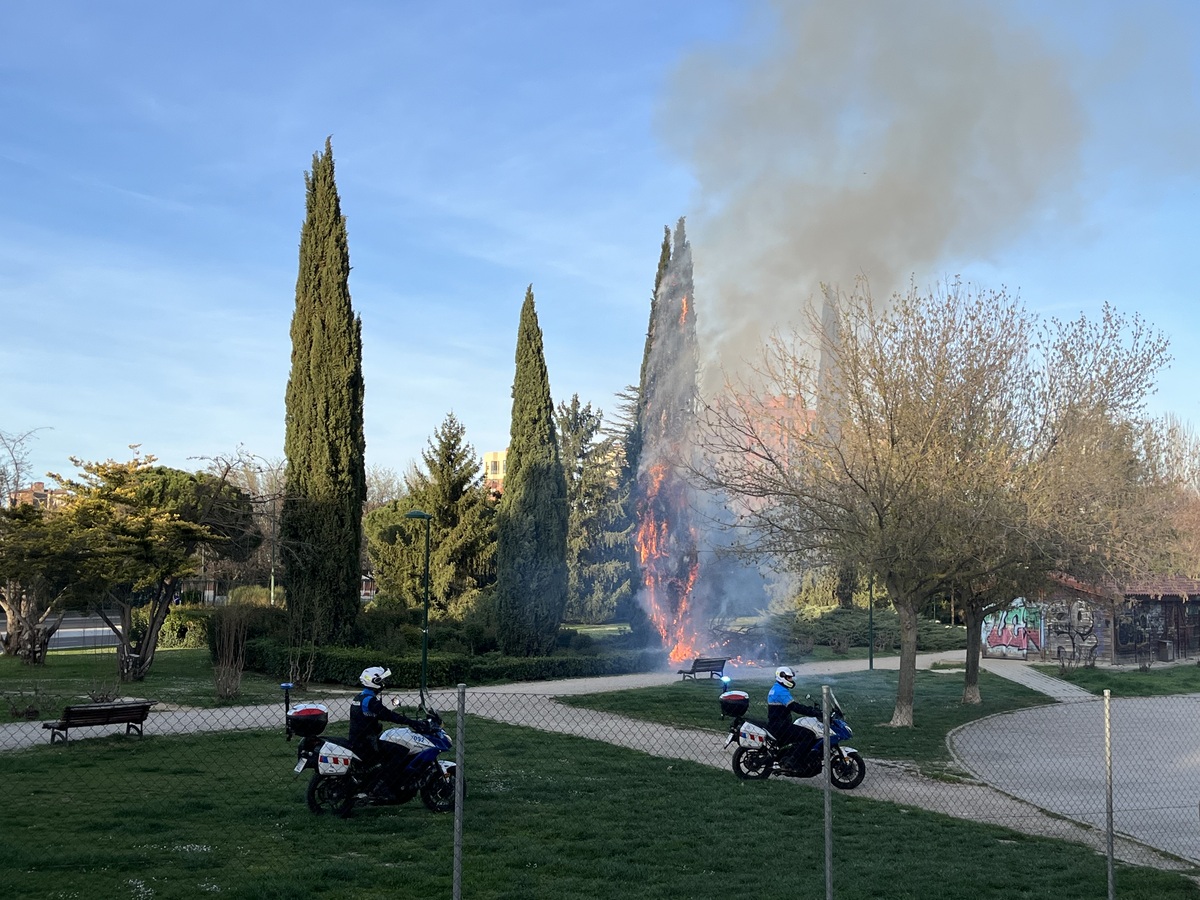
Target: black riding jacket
(366,711)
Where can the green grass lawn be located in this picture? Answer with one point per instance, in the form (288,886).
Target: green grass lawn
(1157,681)
(868,699)
(547,816)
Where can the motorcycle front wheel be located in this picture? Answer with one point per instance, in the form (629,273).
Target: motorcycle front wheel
(437,793)
(330,793)
(752,763)
(846,770)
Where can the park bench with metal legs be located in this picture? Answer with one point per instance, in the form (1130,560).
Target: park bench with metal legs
(714,666)
(130,713)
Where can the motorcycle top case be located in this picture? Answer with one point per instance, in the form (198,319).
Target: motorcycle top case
(734,703)
(752,735)
(308,719)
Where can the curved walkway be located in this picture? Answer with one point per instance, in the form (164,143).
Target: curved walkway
(1030,778)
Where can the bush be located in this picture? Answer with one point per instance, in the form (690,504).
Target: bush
(342,665)
(845,628)
(259,622)
(392,630)
(934,637)
(573,641)
(256,595)
(185,627)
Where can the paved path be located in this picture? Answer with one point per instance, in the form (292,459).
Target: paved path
(1030,774)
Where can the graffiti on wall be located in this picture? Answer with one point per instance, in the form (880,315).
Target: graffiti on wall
(1137,627)
(1011,633)
(1071,632)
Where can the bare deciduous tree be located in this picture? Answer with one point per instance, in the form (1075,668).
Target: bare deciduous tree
(936,447)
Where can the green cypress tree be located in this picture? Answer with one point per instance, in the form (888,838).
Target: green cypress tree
(637,393)
(531,522)
(325,488)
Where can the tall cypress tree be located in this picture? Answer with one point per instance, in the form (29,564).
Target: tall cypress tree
(635,412)
(531,521)
(633,440)
(321,522)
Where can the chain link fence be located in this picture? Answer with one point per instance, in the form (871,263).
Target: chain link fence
(1121,777)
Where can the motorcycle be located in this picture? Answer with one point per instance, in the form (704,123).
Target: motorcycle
(759,755)
(342,779)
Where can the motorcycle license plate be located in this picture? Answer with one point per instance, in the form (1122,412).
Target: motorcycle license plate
(300,766)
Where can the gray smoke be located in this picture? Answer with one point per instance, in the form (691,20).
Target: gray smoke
(867,138)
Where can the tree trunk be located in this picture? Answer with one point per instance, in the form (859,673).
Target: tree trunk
(135,658)
(906,609)
(27,634)
(972,617)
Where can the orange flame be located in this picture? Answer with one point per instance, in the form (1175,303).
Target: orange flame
(669,566)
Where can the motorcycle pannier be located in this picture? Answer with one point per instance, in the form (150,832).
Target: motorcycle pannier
(734,703)
(308,719)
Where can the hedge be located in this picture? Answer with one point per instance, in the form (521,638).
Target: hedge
(260,621)
(849,628)
(342,665)
(184,628)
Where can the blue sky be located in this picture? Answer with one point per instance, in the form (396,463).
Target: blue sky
(151,191)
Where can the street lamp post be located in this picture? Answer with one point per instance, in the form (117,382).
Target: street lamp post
(871,620)
(419,514)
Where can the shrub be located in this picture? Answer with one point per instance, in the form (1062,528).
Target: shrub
(256,595)
(342,665)
(845,628)
(185,627)
(258,622)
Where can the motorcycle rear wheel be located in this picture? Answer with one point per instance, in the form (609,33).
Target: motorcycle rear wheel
(438,792)
(752,763)
(329,793)
(846,771)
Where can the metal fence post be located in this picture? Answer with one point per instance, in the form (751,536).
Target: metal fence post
(828,797)
(460,734)
(1108,803)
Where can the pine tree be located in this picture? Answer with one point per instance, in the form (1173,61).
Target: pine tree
(463,561)
(531,522)
(321,521)
(598,572)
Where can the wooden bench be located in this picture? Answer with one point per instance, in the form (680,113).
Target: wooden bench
(130,713)
(713,665)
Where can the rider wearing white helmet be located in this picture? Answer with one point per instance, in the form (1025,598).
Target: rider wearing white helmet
(780,709)
(366,711)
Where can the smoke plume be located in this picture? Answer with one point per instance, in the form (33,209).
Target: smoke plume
(867,138)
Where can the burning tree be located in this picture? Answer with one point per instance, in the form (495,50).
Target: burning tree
(666,534)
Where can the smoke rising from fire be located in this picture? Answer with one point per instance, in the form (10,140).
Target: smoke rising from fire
(866,138)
